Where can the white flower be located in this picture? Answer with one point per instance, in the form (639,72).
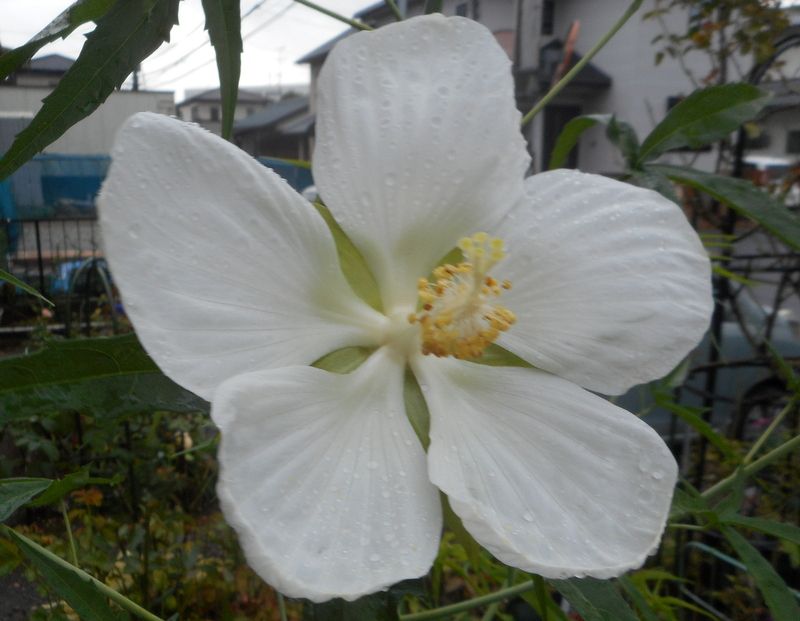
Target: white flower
(232,282)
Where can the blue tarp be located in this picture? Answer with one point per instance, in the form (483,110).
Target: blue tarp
(298,177)
(72,179)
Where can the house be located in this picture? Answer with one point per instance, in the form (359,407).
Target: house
(283,130)
(44,71)
(205,107)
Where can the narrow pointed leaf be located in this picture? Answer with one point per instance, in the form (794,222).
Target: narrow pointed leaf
(789,532)
(780,600)
(16,492)
(691,417)
(595,600)
(703,117)
(744,198)
(71,584)
(61,27)
(124,36)
(224,25)
(104,377)
(4,275)
(639,600)
(61,487)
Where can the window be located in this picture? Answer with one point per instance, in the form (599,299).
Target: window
(548,16)
(461,9)
(195,113)
(476,10)
(793,141)
(214,113)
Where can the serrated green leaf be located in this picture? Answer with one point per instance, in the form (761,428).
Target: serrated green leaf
(703,117)
(780,600)
(103,377)
(224,25)
(71,584)
(128,33)
(744,198)
(61,27)
(10,278)
(16,492)
(595,600)
(781,530)
(353,265)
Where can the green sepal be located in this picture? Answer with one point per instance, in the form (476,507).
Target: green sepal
(345,360)
(416,408)
(354,267)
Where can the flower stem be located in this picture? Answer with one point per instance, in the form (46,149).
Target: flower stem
(687,527)
(113,595)
(556,89)
(759,464)
(452,609)
(394,9)
(282,606)
(768,432)
(352,22)
(73,550)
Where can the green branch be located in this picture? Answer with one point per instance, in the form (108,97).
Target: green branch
(556,89)
(352,22)
(452,609)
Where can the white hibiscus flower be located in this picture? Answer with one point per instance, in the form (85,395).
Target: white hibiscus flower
(232,282)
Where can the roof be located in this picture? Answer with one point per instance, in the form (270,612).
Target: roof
(785,93)
(272,114)
(214,95)
(550,58)
(322,51)
(300,126)
(52,63)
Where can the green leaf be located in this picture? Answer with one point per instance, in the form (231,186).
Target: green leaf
(61,487)
(703,117)
(61,27)
(789,532)
(433,6)
(690,417)
(638,599)
(595,600)
(16,492)
(376,607)
(744,198)
(621,134)
(569,136)
(129,32)
(71,584)
(780,600)
(4,275)
(224,25)
(103,377)
(652,180)
(353,265)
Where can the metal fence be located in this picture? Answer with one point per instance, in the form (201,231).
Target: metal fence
(45,252)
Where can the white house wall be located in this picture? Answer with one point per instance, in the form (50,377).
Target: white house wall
(94,134)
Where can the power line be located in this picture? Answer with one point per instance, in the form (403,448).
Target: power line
(263,25)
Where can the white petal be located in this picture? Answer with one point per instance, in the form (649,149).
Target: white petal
(612,286)
(418,143)
(223,268)
(547,476)
(325,481)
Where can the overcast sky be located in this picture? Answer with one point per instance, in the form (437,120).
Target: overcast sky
(276,33)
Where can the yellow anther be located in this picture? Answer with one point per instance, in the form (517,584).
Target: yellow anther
(460,316)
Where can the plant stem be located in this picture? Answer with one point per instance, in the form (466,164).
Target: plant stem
(541,596)
(768,432)
(452,609)
(394,9)
(759,464)
(282,606)
(73,550)
(106,590)
(352,22)
(556,89)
